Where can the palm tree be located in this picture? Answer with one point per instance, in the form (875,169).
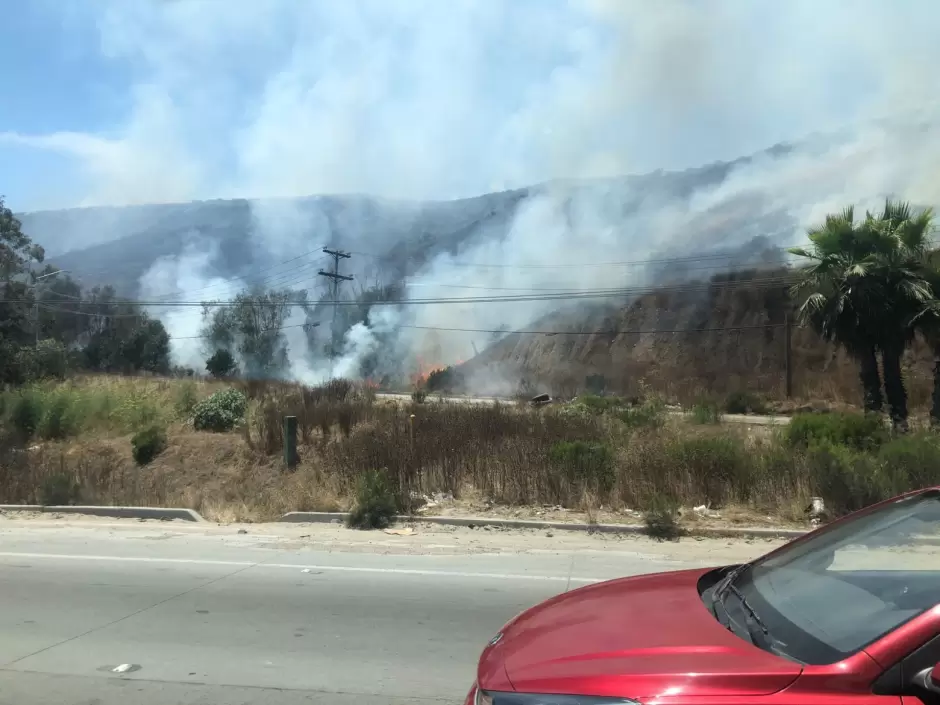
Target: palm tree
(865,288)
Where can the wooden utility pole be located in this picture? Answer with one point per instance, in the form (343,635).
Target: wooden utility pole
(788,353)
(335,278)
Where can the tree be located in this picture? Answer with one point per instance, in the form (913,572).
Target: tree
(221,364)
(18,254)
(253,326)
(138,344)
(865,288)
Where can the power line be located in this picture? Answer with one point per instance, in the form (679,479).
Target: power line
(623,263)
(757,283)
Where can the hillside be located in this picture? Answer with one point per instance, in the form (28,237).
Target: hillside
(726,334)
(118,245)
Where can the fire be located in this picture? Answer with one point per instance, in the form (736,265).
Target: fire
(419,378)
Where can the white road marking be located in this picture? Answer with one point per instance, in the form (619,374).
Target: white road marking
(295,566)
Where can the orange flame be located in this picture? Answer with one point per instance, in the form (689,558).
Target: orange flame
(419,378)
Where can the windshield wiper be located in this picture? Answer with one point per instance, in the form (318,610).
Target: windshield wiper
(727,585)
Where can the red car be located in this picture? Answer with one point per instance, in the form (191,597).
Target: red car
(848,614)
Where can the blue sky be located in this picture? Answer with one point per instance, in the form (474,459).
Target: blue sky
(129,101)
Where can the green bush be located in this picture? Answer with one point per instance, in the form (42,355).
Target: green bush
(744,402)
(662,522)
(48,359)
(598,404)
(419,396)
(858,431)
(26,413)
(222,364)
(375,503)
(186,399)
(649,414)
(706,411)
(911,462)
(221,412)
(58,420)
(58,490)
(718,466)
(585,463)
(147,444)
(846,478)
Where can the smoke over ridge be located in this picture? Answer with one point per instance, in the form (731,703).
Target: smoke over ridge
(420,100)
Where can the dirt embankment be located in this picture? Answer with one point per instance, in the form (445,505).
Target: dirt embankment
(727,334)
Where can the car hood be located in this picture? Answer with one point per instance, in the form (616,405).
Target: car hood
(635,637)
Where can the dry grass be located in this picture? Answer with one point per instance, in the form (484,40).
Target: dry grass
(594,461)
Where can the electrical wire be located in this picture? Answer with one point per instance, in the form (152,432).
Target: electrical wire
(755,283)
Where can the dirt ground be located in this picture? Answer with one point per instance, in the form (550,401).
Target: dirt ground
(418,539)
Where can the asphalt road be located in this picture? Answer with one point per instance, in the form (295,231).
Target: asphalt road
(211,616)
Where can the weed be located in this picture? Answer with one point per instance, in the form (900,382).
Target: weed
(859,431)
(419,396)
(662,522)
(57,490)
(585,464)
(744,402)
(375,502)
(649,414)
(58,420)
(706,411)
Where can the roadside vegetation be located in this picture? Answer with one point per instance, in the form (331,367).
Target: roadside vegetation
(94,413)
(381,458)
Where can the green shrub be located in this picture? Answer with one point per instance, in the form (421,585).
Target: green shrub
(221,412)
(662,521)
(26,413)
(48,359)
(719,467)
(419,396)
(375,506)
(58,490)
(649,414)
(186,399)
(706,411)
(598,404)
(585,463)
(846,478)
(58,420)
(222,364)
(744,402)
(911,462)
(147,444)
(858,431)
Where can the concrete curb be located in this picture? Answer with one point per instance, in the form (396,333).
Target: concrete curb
(115,512)
(706,532)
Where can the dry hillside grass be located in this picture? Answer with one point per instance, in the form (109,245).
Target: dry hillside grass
(578,456)
(700,359)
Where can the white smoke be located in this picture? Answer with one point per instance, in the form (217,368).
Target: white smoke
(422,99)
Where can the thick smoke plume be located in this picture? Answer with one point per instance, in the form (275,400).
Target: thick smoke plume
(416,100)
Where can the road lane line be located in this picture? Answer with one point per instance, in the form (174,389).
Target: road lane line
(301,566)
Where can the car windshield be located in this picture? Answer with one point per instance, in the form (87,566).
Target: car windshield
(824,599)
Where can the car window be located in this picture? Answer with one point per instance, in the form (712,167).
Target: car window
(826,598)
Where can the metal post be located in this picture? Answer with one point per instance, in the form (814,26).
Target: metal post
(290,441)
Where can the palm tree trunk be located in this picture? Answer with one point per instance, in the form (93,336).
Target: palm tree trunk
(894,385)
(935,405)
(871,380)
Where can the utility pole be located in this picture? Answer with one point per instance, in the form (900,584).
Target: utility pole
(35,289)
(335,278)
(788,353)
